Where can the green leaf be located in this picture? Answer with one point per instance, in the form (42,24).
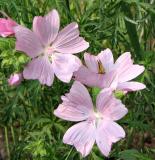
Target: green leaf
(133,154)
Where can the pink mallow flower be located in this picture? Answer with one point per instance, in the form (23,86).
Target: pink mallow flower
(15,79)
(97,125)
(7,27)
(51,52)
(101,71)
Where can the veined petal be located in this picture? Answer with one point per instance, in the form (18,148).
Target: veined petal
(68,40)
(125,69)
(123,60)
(108,132)
(130,86)
(47,27)
(64,65)
(91,62)
(77,104)
(85,76)
(27,42)
(130,73)
(40,68)
(103,99)
(123,63)
(107,60)
(109,106)
(82,136)
(110,80)
(103,142)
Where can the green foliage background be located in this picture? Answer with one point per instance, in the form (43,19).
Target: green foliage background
(30,129)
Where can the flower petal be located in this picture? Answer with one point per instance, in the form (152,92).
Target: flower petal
(125,68)
(40,68)
(123,63)
(47,27)
(85,76)
(77,104)
(130,73)
(91,62)
(107,60)
(103,142)
(27,42)
(130,86)
(82,136)
(109,106)
(68,40)
(108,132)
(123,60)
(64,65)
(110,80)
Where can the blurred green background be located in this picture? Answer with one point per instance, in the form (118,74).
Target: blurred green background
(28,128)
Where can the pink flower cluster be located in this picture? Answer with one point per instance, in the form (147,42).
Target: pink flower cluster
(52,53)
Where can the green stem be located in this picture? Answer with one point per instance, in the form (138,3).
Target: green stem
(13,135)
(20,134)
(7,142)
(69,154)
(4,14)
(130,138)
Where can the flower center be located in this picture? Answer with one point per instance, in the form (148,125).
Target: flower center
(98,115)
(48,50)
(101,69)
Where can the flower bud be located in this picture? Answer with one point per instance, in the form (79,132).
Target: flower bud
(6,27)
(15,79)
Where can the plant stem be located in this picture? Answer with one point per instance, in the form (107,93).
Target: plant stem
(69,153)
(7,142)
(13,135)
